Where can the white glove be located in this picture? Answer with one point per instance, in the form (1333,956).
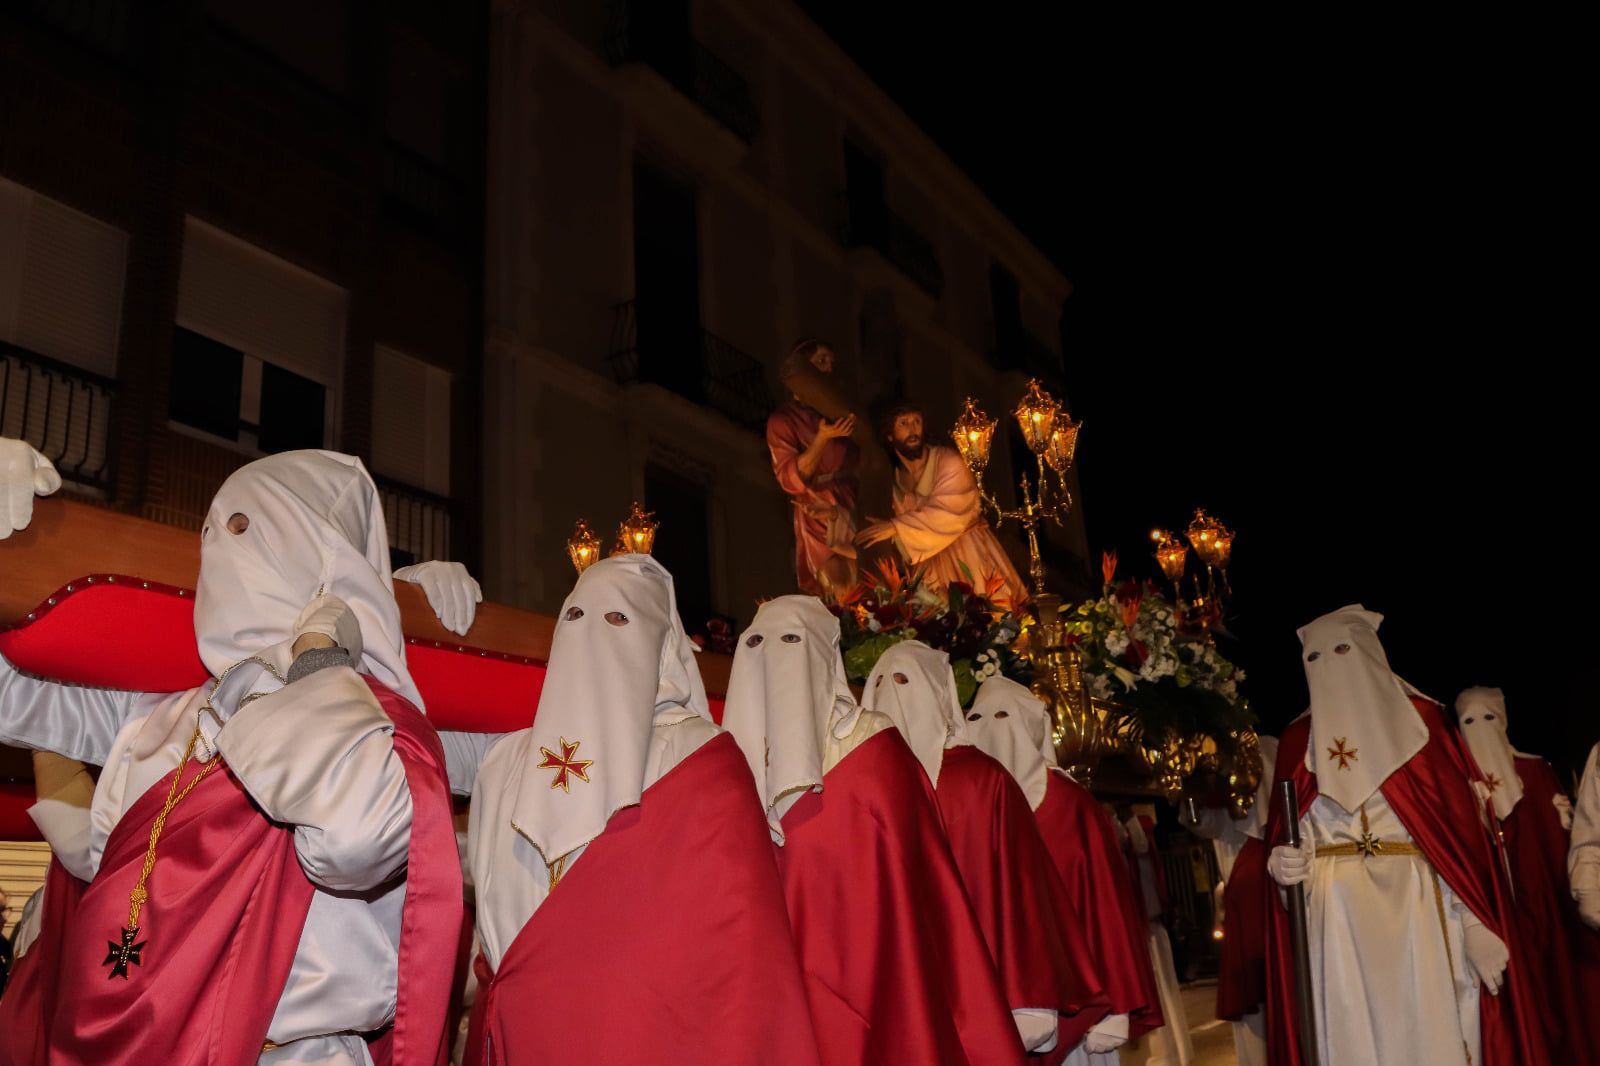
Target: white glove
(1290,866)
(23,472)
(1487,955)
(451,591)
(1589,909)
(1563,810)
(1106,1035)
(333,618)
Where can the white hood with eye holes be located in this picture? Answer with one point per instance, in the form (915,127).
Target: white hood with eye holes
(1482,714)
(789,700)
(1010,723)
(1363,725)
(913,686)
(314,524)
(620,664)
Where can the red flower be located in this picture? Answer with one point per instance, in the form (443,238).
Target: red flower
(1108,566)
(1136,654)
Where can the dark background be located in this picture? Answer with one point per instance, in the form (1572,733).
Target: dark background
(1326,278)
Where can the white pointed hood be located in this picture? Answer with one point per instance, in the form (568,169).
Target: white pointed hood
(620,663)
(1482,714)
(1010,723)
(789,700)
(913,686)
(315,524)
(1363,725)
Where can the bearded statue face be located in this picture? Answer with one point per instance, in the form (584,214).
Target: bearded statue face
(906,435)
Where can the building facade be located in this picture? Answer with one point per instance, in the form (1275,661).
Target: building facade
(678,191)
(230,228)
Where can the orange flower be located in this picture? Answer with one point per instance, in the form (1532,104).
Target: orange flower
(1130,613)
(1108,566)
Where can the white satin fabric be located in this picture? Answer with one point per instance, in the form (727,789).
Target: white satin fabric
(1482,715)
(1170,1045)
(789,704)
(913,686)
(1363,726)
(508,873)
(1008,722)
(620,664)
(1583,856)
(1385,990)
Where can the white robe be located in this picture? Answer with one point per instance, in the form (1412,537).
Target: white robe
(1379,964)
(286,748)
(1171,1044)
(1583,858)
(509,875)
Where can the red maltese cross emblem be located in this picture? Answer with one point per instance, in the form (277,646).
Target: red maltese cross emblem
(565,765)
(1345,755)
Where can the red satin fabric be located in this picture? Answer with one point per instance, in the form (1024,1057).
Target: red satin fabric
(1242,967)
(1567,981)
(895,967)
(1087,855)
(1433,798)
(30,999)
(1034,933)
(666,942)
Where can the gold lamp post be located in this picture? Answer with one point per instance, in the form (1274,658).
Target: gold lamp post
(637,533)
(582,547)
(1052,436)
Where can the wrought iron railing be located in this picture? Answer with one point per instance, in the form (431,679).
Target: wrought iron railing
(420,523)
(423,190)
(689,66)
(61,410)
(729,381)
(1029,354)
(897,241)
(103,25)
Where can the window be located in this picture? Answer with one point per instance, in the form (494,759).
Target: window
(411,421)
(312,36)
(684,546)
(1005,302)
(666,280)
(258,346)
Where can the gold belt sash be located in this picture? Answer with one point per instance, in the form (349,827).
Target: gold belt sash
(1368,847)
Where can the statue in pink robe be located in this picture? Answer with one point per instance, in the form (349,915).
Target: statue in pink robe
(938,523)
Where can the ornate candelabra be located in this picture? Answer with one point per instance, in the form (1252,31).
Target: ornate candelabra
(1052,436)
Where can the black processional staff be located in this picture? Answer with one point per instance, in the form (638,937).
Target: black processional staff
(1306,1021)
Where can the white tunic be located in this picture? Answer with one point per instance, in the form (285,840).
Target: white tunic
(1583,860)
(1385,990)
(508,873)
(317,755)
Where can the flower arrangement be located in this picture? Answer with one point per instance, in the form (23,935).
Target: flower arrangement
(1141,652)
(895,604)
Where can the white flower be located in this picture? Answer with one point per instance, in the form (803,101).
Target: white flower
(874,626)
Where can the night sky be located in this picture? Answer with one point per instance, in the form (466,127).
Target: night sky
(1324,287)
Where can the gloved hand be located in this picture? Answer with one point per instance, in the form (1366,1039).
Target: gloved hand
(1487,955)
(1106,1035)
(1563,811)
(452,592)
(1589,908)
(23,473)
(1290,866)
(332,618)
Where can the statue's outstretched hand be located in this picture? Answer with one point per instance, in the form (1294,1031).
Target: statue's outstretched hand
(24,473)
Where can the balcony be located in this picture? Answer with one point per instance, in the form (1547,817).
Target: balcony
(687,65)
(103,25)
(1029,354)
(424,193)
(419,522)
(715,374)
(892,237)
(61,410)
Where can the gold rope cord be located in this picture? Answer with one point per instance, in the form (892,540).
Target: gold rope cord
(139,895)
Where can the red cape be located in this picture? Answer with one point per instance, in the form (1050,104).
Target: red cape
(1568,981)
(1034,933)
(896,969)
(666,942)
(227,905)
(1433,798)
(1087,855)
(35,980)
(1242,968)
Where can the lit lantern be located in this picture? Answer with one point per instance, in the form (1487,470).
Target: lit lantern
(582,547)
(1063,444)
(1211,539)
(637,534)
(1170,554)
(1036,415)
(973,433)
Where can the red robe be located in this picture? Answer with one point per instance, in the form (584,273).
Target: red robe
(1033,931)
(1433,798)
(1088,857)
(227,904)
(1242,968)
(790,431)
(1568,981)
(666,942)
(896,969)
